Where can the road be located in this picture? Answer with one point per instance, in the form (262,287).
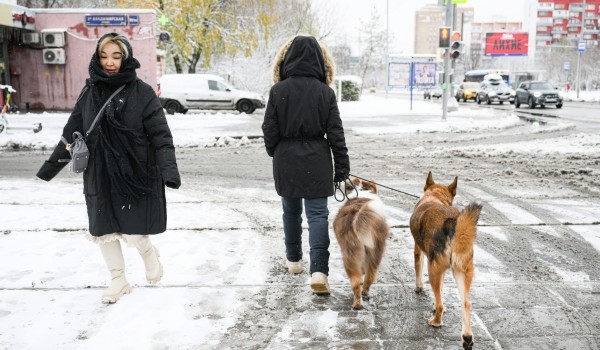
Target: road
(537,283)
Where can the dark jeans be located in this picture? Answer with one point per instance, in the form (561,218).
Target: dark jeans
(317,215)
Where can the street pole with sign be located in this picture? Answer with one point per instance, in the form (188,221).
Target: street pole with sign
(447,31)
(580,50)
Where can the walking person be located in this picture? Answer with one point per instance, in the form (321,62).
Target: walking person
(302,129)
(132,158)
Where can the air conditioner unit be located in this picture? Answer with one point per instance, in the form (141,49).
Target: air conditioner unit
(31,38)
(54,56)
(53,39)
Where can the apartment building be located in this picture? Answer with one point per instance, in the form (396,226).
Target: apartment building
(572,20)
(429,19)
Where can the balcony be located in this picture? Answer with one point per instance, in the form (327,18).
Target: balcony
(543,29)
(576,7)
(560,14)
(574,24)
(545,20)
(543,37)
(547,6)
(590,30)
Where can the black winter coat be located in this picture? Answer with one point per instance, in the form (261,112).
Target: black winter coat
(108,210)
(302,125)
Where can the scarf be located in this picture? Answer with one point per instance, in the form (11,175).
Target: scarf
(116,141)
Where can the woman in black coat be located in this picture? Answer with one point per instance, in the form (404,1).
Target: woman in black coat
(132,158)
(302,129)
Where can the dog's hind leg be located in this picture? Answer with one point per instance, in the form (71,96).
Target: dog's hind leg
(463,281)
(436,279)
(372,261)
(419,257)
(352,265)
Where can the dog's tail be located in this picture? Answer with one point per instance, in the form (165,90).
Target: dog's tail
(466,229)
(367,223)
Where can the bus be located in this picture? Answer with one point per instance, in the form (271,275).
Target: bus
(477,75)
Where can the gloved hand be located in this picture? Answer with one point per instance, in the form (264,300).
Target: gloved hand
(172,184)
(340,177)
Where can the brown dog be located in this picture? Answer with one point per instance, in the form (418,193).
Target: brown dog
(446,236)
(361,230)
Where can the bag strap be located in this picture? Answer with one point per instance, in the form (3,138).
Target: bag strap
(102,110)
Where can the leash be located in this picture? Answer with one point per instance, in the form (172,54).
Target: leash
(380,185)
(337,188)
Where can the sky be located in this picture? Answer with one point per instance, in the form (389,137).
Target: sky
(52,278)
(349,13)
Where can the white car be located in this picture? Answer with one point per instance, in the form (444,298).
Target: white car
(180,92)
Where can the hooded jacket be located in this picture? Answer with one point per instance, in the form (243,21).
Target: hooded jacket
(135,129)
(302,127)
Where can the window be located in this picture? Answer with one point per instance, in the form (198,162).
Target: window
(217,85)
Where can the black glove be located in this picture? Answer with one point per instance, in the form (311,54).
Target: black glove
(172,184)
(340,177)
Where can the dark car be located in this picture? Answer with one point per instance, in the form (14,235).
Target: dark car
(537,93)
(467,91)
(494,90)
(434,92)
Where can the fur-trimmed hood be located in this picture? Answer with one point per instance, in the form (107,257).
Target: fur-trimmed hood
(304,56)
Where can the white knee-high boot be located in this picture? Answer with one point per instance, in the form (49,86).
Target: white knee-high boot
(154,269)
(113,256)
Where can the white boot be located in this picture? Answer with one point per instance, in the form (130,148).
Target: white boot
(319,284)
(294,267)
(154,269)
(113,256)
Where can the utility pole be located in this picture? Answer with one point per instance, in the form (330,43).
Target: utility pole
(446,64)
(577,81)
(387,43)
(453,61)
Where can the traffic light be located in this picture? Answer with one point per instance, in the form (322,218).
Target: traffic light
(444,37)
(456,45)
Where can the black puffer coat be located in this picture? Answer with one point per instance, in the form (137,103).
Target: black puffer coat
(111,209)
(302,125)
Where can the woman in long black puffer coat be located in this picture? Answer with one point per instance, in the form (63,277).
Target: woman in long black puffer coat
(132,158)
(302,129)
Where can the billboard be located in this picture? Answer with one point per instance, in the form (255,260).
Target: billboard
(424,74)
(506,44)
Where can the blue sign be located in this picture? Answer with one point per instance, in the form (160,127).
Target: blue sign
(581,46)
(567,66)
(112,20)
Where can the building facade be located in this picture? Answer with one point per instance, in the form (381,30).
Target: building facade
(570,20)
(429,19)
(46,61)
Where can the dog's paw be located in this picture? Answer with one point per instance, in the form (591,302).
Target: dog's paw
(358,306)
(467,342)
(435,322)
(419,289)
(366,297)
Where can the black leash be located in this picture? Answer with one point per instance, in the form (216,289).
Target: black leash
(380,185)
(337,188)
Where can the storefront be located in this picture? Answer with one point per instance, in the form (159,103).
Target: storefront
(45,53)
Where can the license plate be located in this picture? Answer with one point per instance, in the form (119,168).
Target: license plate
(551,100)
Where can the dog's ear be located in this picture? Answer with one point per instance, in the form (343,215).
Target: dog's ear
(370,186)
(452,186)
(429,181)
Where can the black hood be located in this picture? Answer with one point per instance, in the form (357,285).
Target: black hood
(304,59)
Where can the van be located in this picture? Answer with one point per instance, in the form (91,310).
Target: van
(180,92)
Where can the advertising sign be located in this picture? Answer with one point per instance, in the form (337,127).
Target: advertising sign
(506,44)
(399,75)
(424,74)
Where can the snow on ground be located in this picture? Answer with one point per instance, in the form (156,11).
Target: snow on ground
(51,277)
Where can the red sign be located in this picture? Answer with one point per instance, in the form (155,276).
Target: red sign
(506,44)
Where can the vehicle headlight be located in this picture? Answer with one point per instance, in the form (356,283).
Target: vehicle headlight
(537,94)
(513,92)
(492,93)
(260,97)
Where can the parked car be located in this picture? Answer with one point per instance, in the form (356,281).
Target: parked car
(494,89)
(435,92)
(538,93)
(181,92)
(467,91)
